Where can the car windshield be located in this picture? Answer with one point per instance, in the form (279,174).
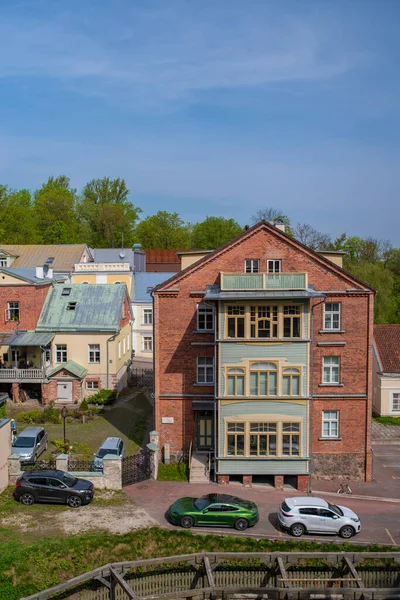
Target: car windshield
(69,480)
(201,503)
(24,442)
(103,451)
(336,509)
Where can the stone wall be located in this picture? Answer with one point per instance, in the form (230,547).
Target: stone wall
(339,466)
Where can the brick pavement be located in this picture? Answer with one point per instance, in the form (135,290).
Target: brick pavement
(385,433)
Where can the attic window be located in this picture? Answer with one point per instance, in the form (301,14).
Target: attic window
(71,305)
(66,292)
(50,260)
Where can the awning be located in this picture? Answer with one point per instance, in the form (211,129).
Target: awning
(31,338)
(203,405)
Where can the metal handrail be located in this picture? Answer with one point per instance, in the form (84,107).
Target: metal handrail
(190,454)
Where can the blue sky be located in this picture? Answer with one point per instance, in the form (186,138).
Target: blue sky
(210,107)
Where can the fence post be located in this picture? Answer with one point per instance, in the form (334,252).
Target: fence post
(62,462)
(14,468)
(153,449)
(112,472)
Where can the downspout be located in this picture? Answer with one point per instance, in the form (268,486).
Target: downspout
(311,387)
(108,370)
(154,428)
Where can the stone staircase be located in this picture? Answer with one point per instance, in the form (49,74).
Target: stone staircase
(199,469)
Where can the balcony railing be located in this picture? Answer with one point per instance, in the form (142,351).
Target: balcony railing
(17,374)
(264,281)
(93,267)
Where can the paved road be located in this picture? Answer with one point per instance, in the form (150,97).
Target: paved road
(380,521)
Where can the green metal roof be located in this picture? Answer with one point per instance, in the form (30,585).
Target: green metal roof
(72,367)
(32,338)
(77,307)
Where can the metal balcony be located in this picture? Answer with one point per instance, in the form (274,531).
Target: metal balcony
(263,281)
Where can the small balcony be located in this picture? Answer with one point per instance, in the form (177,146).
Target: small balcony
(22,375)
(263,281)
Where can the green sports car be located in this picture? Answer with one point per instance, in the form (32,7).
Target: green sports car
(219,510)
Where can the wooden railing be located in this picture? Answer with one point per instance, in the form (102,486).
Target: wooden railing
(13,374)
(207,575)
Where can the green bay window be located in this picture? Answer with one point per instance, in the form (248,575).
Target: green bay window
(291,382)
(290,439)
(236,321)
(235,382)
(291,321)
(263,439)
(235,439)
(264,321)
(263,379)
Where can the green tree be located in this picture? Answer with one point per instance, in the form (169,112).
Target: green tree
(109,218)
(381,279)
(55,212)
(163,230)
(17,220)
(214,232)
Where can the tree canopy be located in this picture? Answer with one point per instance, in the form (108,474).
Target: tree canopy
(214,232)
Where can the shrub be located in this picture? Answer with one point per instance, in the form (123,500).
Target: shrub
(173,472)
(48,415)
(61,447)
(51,415)
(3,412)
(103,397)
(84,405)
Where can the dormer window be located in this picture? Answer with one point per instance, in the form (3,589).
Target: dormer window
(50,260)
(71,305)
(3,262)
(66,292)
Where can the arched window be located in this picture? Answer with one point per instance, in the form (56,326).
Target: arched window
(263,379)
(236,382)
(291,382)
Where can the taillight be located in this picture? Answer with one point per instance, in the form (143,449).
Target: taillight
(17,485)
(287,514)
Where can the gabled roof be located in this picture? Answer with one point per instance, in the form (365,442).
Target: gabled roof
(75,307)
(70,366)
(387,345)
(33,255)
(29,275)
(280,235)
(144,283)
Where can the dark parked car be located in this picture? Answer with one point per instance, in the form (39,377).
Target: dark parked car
(53,486)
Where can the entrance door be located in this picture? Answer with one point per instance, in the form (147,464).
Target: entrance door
(204,432)
(64,391)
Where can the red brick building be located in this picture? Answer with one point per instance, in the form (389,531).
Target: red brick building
(263,359)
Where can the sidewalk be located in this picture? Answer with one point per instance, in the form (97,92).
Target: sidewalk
(385,434)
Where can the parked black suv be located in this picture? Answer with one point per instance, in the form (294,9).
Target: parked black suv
(53,486)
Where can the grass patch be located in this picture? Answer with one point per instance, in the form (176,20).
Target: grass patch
(29,568)
(128,420)
(388,420)
(173,472)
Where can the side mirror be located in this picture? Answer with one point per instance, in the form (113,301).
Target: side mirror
(335,516)
(205,510)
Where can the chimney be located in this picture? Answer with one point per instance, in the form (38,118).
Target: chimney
(137,247)
(39,272)
(281,226)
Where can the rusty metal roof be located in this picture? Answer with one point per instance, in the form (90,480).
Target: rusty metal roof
(387,344)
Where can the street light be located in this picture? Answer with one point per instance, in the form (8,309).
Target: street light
(64,414)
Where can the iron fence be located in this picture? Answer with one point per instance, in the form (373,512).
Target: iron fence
(141,378)
(49,464)
(82,464)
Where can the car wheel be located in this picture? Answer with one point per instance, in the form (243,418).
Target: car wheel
(297,530)
(187,522)
(241,524)
(27,499)
(347,531)
(74,501)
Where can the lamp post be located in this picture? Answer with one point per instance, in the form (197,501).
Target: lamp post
(64,413)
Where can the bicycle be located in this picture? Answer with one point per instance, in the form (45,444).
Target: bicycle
(344,489)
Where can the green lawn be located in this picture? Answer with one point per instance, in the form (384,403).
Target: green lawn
(173,472)
(128,419)
(388,420)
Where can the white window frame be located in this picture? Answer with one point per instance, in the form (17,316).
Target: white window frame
(397,401)
(274,265)
(332,368)
(124,346)
(128,342)
(205,369)
(331,313)
(327,419)
(119,349)
(13,312)
(92,385)
(3,263)
(147,316)
(61,353)
(145,339)
(251,265)
(205,310)
(94,355)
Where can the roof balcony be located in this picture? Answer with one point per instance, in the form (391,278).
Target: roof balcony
(263,281)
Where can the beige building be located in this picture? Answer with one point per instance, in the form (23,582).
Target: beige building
(386,370)
(5,446)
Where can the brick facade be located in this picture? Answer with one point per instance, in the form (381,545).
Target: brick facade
(31,299)
(177,346)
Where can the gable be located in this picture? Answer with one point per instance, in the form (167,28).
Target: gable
(263,242)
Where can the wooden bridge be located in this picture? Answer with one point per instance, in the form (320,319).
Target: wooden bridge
(234,576)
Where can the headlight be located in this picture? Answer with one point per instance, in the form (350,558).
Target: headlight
(355,520)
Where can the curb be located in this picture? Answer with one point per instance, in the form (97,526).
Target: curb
(387,442)
(357,496)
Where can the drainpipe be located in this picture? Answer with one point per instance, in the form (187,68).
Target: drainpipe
(110,339)
(154,367)
(214,307)
(311,387)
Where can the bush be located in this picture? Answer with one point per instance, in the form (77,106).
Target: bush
(103,397)
(62,448)
(3,412)
(84,405)
(173,472)
(48,415)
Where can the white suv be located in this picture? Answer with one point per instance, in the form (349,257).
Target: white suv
(314,515)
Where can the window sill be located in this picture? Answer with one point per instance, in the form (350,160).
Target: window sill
(230,456)
(203,331)
(331,385)
(330,439)
(332,331)
(197,384)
